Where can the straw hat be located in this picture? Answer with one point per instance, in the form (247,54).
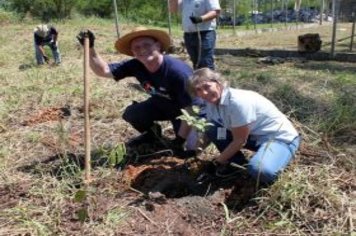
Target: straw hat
(123,43)
(41,30)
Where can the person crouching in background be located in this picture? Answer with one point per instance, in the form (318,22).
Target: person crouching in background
(46,36)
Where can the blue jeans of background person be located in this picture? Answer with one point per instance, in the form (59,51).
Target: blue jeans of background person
(55,52)
(270,157)
(141,115)
(208,39)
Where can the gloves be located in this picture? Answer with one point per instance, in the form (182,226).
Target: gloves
(91,37)
(54,45)
(46,58)
(196,19)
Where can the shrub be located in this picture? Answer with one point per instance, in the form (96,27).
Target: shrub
(44,9)
(103,8)
(7,17)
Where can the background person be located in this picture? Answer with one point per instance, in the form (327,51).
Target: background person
(46,36)
(199,17)
(245,119)
(163,77)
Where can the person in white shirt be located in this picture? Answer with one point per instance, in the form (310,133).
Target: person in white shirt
(199,26)
(245,119)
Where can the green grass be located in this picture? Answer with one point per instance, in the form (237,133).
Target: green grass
(302,200)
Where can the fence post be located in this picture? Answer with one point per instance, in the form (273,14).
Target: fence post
(169,20)
(332,51)
(272,13)
(253,14)
(297,4)
(234,15)
(285,6)
(353,30)
(321,12)
(116,19)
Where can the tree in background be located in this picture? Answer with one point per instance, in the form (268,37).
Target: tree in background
(101,8)
(148,11)
(124,7)
(44,9)
(4,4)
(142,11)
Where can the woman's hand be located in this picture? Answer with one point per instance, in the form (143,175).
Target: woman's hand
(240,135)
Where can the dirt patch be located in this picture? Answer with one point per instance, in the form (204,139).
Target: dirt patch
(176,200)
(11,194)
(156,195)
(47,114)
(174,194)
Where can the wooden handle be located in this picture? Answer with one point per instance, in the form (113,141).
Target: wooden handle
(86,110)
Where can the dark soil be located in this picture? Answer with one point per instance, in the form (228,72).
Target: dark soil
(163,195)
(158,192)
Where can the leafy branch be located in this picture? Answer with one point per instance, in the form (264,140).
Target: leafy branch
(199,123)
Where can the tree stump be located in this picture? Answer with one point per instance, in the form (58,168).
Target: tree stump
(309,43)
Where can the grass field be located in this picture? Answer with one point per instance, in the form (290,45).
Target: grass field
(287,37)
(39,184)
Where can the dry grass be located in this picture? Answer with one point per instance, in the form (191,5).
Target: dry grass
(285,37)
(315,196)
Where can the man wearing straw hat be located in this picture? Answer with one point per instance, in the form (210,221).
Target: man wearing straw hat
(46,36)
(163,77)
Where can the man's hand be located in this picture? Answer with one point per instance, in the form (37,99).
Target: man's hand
(196,19)
(46,58)
(54,45)
(82,35)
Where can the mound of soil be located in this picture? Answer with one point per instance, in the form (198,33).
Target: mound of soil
(163,195)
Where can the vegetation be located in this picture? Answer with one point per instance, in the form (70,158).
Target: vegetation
(150,10)
(143,11)
(41,187)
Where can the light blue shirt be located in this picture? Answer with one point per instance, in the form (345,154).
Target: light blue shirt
(198,8)
(239,107)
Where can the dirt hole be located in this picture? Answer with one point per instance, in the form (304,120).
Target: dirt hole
(172,183)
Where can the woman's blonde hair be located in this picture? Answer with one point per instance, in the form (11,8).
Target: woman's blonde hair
(204,75)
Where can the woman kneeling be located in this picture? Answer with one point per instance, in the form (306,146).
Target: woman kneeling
(245,119)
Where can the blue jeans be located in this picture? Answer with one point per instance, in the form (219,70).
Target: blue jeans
(269,160)
(55,52)
(208,39)
(141,115)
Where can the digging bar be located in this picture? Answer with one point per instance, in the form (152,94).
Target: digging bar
(86,109)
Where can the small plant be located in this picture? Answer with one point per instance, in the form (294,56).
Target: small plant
(199,123)
(112,156)
(81,197)
(117,154)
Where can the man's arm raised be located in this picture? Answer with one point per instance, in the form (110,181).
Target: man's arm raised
(97,64)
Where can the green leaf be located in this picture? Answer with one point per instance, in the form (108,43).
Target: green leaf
(196,109)
(117,154)
(82,214)
(185,113)
(80,196)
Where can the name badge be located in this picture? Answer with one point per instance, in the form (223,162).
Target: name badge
(221,133)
